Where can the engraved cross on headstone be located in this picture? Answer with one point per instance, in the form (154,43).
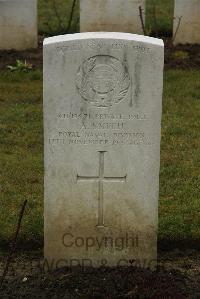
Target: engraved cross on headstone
(100,180)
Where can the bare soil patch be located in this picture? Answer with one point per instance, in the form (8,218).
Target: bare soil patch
(177,276)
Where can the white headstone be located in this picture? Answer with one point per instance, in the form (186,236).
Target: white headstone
(111,15)
(189,29)
(18,24)
(102,122)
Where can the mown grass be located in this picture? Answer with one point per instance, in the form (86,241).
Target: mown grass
(21,163)
(21,168)
(180,158)
(49,23)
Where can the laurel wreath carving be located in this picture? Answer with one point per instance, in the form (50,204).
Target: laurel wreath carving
(116,69)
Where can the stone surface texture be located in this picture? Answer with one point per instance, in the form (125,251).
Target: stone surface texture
(189,30)
(111,15)
(18,24)
(102,123)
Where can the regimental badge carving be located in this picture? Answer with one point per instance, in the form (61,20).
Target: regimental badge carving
(103,80)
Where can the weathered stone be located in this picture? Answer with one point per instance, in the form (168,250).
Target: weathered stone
(189,29)
(113,16)
(102,119)
(18,24)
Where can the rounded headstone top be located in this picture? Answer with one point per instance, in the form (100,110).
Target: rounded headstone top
(103,35)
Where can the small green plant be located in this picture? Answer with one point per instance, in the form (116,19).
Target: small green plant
(20,66)
(181,55)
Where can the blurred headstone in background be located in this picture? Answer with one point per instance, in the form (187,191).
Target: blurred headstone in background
(187,22)
(113,16)
(18,24)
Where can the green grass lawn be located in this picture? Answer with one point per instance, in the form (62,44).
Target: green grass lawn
(49,22)
(21,143)
(21,151)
